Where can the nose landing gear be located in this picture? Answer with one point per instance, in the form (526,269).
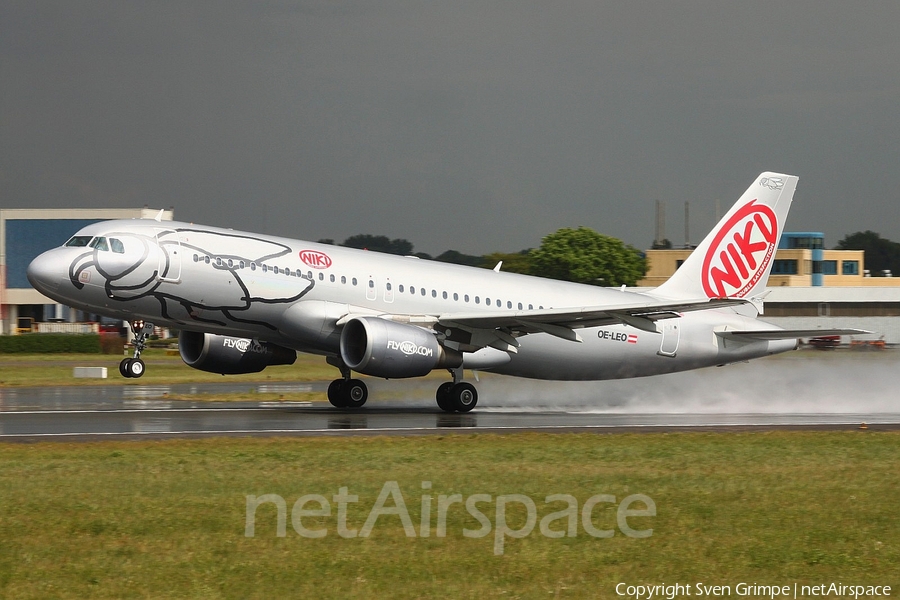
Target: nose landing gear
(134,367)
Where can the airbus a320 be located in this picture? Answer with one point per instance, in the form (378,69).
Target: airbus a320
(245,301)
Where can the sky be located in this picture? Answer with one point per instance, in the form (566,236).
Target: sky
(474,126)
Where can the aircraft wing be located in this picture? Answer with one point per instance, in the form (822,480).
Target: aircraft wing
(477,330)
(787,334)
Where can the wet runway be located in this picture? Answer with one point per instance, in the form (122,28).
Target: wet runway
(833,391)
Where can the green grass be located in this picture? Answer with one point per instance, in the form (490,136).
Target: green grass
(18,370)
(166,519)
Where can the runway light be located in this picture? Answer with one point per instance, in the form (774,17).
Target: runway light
(864,426)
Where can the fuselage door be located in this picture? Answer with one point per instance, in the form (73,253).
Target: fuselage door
(671,335)
(169,256)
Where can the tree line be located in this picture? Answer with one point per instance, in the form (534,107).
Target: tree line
(881,254)
(584,256)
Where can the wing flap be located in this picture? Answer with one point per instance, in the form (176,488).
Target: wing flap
(787,334)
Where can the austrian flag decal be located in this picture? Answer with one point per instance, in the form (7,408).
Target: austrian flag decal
(740,252)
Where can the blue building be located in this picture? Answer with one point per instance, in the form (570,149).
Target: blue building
(25,233)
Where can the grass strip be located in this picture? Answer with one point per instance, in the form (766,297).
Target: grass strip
(167,519)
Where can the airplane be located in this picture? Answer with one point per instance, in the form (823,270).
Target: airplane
(244,301)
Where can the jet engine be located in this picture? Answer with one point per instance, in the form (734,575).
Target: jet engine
(230,355)
(392,350)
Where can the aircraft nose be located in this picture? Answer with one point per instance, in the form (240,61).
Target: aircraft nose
(45,272)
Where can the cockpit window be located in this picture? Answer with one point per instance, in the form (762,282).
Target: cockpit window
(116,246)
(99,243)
(79,241)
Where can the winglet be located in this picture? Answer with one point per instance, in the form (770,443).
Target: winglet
(158,217)
(497,268)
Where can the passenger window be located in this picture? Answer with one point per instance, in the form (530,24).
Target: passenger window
(265,268)
(206,260)
(230,263)
(487,301)
(423,291)
(196,258)
(412,290)
(331,278)
(79,241)
(321,276)
(253,266)
(466,297)
(400,288)
(434,294)
(388,286)
(520,306)
(354,281)
(343,279)
(455,297)
(445,295)
(477,300)
(119,248)
(530,307)
(508,304)
(372,284)
(100,244)
(499,303)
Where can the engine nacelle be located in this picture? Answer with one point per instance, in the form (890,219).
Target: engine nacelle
(383,348)
(230,355)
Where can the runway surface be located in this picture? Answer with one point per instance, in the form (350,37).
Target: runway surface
(832,391)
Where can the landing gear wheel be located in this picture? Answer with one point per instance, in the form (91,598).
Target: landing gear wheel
(464,397)
(355,393)
(135,368)
(442,396)
(336,393)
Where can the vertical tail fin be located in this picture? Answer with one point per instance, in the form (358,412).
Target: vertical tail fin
(735,259)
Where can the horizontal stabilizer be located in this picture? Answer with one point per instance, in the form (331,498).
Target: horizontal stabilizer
(787,334)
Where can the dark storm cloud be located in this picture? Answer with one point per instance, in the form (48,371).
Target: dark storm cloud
(475,126)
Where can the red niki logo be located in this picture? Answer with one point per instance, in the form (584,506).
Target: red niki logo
(740,252)
(315,259)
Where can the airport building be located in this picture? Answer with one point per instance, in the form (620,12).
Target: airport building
(26,233)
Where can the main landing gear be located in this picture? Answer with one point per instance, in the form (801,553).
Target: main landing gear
(456,395)
(134,367)
(453,396)
(347,392)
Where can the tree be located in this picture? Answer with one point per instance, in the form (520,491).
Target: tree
(880,253)
(515,262)
(379,243)
(585,256)
(458,258)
